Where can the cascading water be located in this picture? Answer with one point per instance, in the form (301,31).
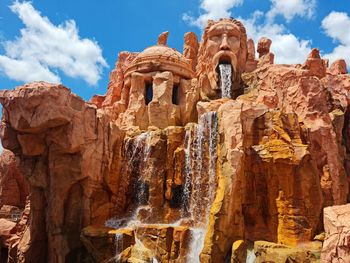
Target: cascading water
(213,129)
(187,181)
(203,188)
(139,151)
(250,255)
(141,248)
(141,185)
(118,246)
(197,158)
(196,245)
(136,148)
(225,79)
(200,148)
(137,161)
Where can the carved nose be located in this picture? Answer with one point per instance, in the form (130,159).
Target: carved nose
(224,44)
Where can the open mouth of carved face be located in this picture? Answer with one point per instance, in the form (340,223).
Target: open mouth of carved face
(224,58)
(224,61)
(225,75)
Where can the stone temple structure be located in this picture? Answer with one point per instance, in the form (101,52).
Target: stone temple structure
(209,155)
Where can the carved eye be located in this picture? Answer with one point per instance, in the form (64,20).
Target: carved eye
(233,37)
(215,38)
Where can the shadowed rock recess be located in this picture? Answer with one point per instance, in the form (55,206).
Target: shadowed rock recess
(210,155)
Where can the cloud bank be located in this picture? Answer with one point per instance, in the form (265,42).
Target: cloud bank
(43,49)
(291,8)
(336,25)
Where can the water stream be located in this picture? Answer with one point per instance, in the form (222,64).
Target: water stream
(225,79)
(203,188)
(118,246)
(250,255)
(200,147)
(188,172)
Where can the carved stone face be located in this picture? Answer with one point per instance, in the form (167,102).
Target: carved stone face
(223,42)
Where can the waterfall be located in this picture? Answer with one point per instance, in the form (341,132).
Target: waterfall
(196,201)
(213,129)
(188,173)
(203,177)
(137,161)
(196,246)
(140,248)
(225,78)
(203,188)
(250,255)
(200,149)
(118,246)
(141,185)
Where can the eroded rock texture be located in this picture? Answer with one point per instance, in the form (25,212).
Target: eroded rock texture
(13,195)
(336,247)
(188,157)
(13,187)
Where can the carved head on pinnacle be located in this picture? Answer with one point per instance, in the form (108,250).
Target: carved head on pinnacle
(223,42)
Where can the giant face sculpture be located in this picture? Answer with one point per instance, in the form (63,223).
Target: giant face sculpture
(223,43)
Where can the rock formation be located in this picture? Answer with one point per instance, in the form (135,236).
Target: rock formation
(223,43)
(336,247)
(205,156)
(265,56)
(252,63)
(13,195)
(13,187)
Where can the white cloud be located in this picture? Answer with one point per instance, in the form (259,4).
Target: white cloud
(288,49)
(26,70)
(291,8)
(43,48)
(337,26)
(213,9)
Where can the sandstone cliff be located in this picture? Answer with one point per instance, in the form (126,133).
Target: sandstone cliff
(188,157)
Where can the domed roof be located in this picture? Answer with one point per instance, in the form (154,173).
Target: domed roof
(161,51)
(161,58)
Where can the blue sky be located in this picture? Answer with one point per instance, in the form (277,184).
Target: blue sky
(77,42)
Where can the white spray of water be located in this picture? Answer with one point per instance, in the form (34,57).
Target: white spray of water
(118,246)
(197,195)
(250,256)
(196,246)
(140,249)
(196,201)
(188,173)
(202,199)
(225,77)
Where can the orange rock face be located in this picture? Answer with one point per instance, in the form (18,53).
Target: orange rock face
(185,159)
(13,187)
(338,67)
(252,63)
(336,247)
(55,129)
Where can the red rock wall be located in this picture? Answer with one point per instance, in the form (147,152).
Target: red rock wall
(13,187)
(282,155)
